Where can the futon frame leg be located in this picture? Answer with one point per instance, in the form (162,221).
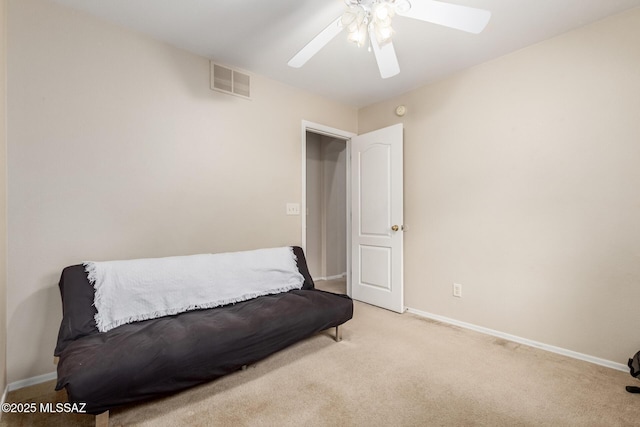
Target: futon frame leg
(338,334)
(102,420)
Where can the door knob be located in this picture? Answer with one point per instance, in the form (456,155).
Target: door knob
(395,228)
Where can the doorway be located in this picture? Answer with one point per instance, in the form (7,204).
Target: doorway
(325,221)
(371,243)
(326,207)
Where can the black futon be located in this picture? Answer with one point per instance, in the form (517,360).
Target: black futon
(143,360)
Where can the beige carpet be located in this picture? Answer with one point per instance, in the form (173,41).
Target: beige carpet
(389,370)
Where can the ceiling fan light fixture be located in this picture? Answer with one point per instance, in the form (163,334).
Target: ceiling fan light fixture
(382,13)
(359,36)
(383,34)
(347,19)
(355,20)
(369,16)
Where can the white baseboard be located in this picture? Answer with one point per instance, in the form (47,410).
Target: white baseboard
(31,381)
(26,383)
(525,341)
(339,276)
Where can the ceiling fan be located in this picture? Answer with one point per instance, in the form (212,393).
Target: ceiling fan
(371,20)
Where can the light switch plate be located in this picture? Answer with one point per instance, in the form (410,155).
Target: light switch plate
(293,208)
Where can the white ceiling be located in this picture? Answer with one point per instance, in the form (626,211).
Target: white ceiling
(260,36)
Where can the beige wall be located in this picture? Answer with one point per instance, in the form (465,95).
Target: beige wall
(119,149)
(521,183)
(3,196)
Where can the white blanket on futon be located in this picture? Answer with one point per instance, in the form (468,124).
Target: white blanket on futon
(140,289)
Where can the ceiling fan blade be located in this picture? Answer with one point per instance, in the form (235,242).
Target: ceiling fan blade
(317,43)
(463,18)
(385,57)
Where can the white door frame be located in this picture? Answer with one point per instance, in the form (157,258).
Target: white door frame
(346,136)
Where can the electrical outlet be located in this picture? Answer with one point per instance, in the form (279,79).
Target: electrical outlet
(457,290)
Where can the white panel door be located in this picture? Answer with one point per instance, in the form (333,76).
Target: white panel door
(377,217)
